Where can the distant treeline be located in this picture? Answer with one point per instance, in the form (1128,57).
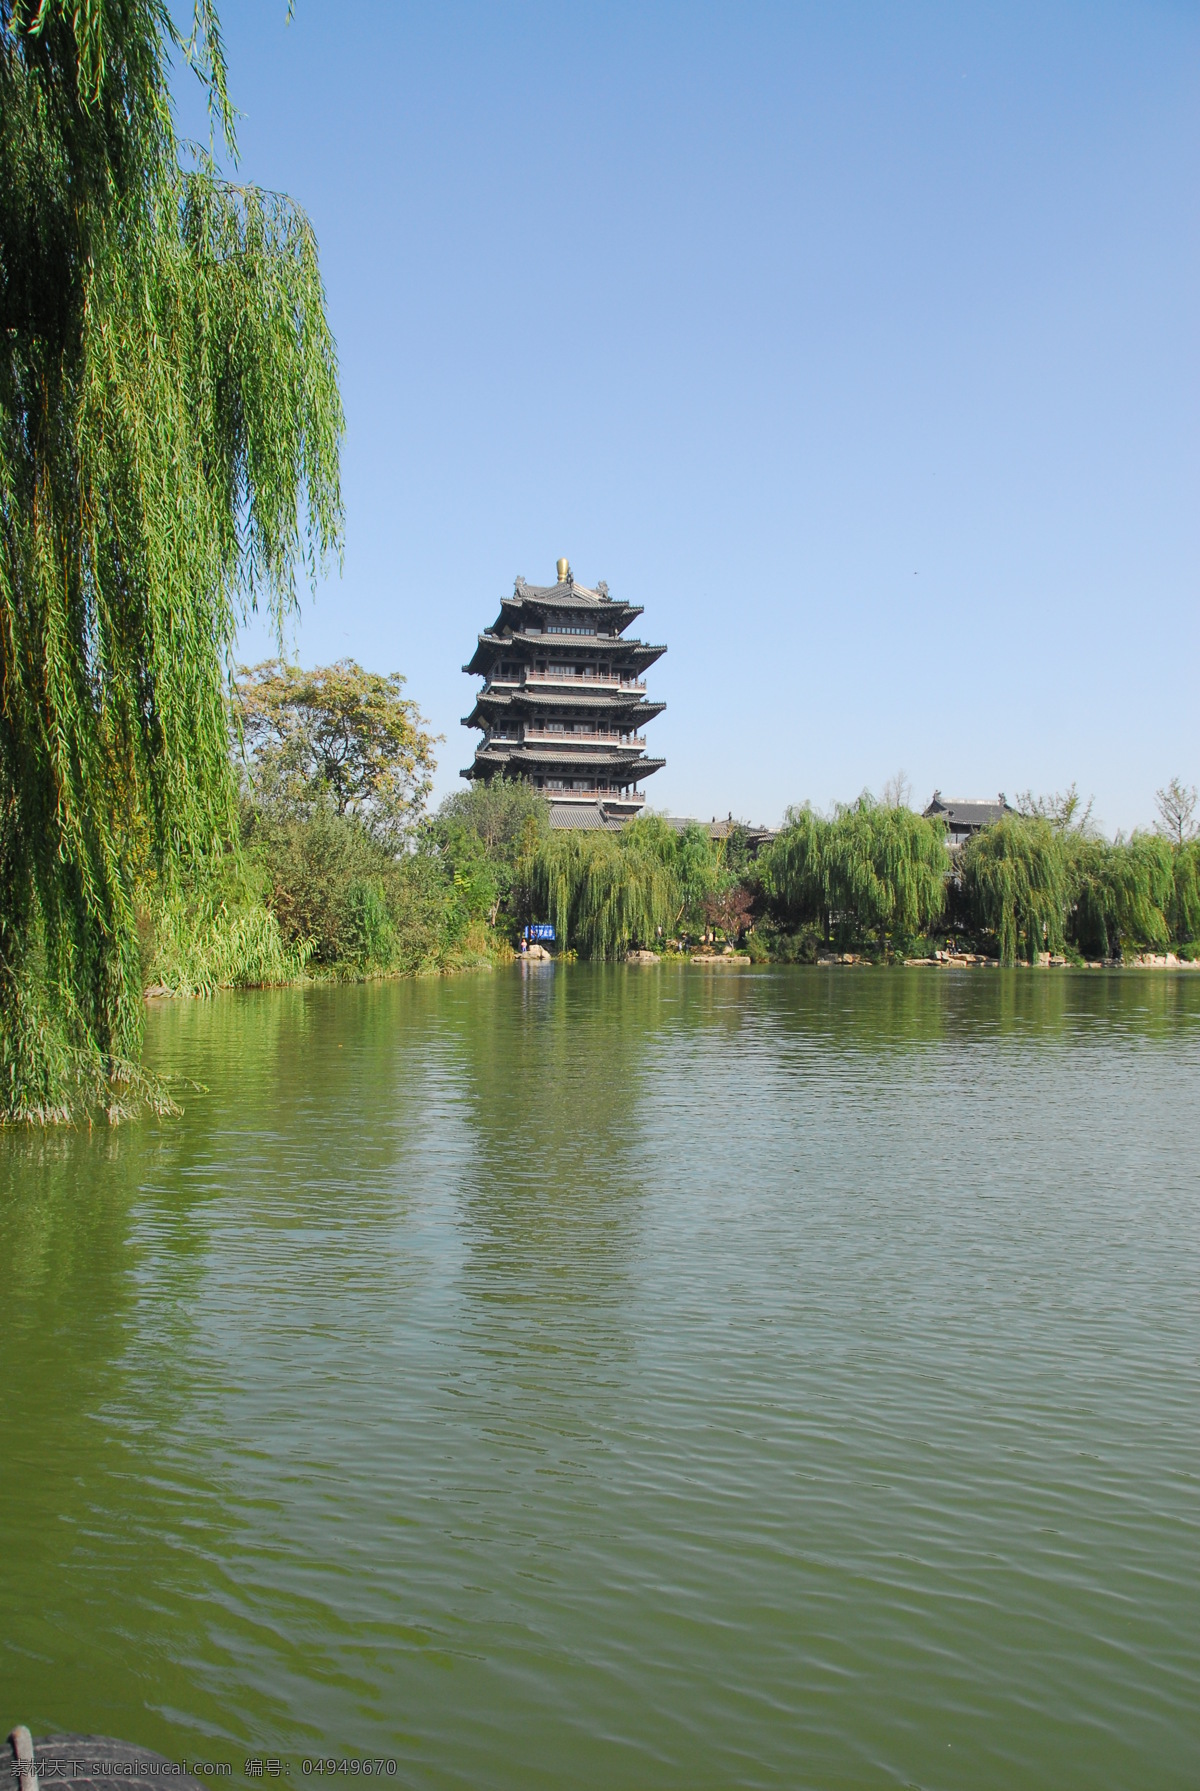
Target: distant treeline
(877,878)
(1021,887)
(338,871)
(315,893)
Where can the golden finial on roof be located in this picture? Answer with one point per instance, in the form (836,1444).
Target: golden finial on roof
(564,572)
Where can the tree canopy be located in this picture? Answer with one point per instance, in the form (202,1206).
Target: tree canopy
(1119,894)
(603,891)
(692,861)
(873,868)
(169,443)
(484,834)
(336,735)
(1016,879)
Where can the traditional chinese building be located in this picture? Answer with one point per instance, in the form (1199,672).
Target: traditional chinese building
(564,701)
(963,819)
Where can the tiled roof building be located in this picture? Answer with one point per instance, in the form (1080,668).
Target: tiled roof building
(965,818)
(564,700)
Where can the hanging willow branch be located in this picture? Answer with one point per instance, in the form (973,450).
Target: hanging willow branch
(1017,885)
(169,433)
(879,869)
(602,891)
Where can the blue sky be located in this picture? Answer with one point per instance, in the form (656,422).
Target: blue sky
(858,342)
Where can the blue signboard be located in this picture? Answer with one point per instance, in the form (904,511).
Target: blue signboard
(540,930)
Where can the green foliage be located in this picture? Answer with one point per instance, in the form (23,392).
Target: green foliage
(886,869)
(483,835)
(200,946)
(689,857)
(44,1077)
(801,946)
(1120,895)
(604,892)
(494,815)
(169,430)
(1034,881)
(795,867)
(368,937)
(1017,887)
(358,909)
(1185,892)
(317,893)
(733,857)
(336,736)
(325,883)
(1039,885)
(872,869)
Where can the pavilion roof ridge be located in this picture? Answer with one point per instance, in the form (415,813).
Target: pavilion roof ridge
(568,593)
(999,803)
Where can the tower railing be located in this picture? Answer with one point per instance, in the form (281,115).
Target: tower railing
(593,793)
(572,677)
(571,736)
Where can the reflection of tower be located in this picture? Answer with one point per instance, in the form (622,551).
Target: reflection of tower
(554,1081)
(563,700)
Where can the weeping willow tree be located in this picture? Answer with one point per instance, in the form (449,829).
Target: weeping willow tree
(795,868)
(169,430)
(886,868)
(603,892)
(1185,892)
(1016,884)
(1121,894)
(690,858)
(873,868)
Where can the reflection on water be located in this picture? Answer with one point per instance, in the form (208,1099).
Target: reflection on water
(550,1195)
(624,1377)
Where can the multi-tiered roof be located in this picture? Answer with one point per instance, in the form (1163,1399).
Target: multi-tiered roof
(564,700)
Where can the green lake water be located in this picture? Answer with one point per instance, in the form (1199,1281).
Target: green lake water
(640,1377)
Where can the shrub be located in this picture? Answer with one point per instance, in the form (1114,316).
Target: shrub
(200,944)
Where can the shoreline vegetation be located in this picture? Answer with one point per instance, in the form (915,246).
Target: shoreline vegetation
(317,889)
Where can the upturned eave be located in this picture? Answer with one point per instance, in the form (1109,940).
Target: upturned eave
(612,703)
(492,646)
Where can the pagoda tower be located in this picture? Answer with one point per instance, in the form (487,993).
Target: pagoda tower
(564,701)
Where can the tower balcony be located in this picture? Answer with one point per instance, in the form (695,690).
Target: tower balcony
(578,736)
(575,790)
(601,680)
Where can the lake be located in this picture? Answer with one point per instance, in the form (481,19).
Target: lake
(632,1377)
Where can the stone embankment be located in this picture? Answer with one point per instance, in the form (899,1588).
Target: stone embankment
(715,959)
(1050,961)
(943,960)
(958,959)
